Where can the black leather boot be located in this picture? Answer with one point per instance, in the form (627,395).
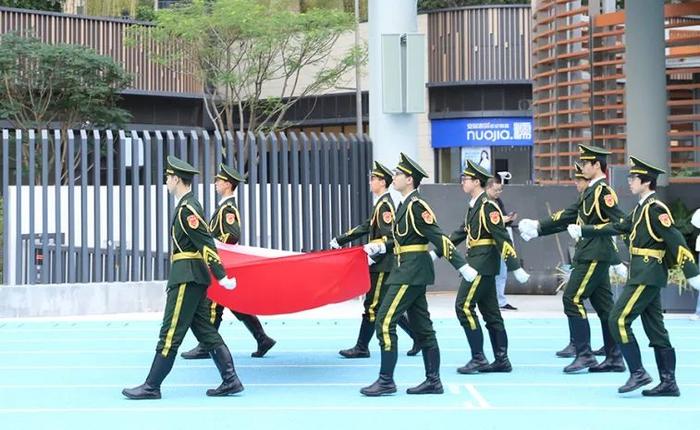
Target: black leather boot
(404,324)
(150,389)
(600,352)
(569,351)
(385,383)
(613,356)
(501,363)
(196,353)
(224,362)
(638,376)
(265,343)
(476,344)
(581,333)
(361,348)
(666,363)
(432,383)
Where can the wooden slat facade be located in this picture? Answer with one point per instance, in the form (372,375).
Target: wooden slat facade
(107,37)
(481,43)
(578,86)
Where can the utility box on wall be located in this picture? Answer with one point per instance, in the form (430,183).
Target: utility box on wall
(403,73)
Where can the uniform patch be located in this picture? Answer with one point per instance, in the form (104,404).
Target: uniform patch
(665,220)
(609,200)
(427,217)
(230,218)
(386,216)
(495,217)
(193,221)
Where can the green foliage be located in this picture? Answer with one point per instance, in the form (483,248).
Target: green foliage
(240,47)
(113,8)
(424,5)
(47,5)
(69,84)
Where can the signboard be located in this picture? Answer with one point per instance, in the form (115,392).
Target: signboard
(481,132)
(481,156)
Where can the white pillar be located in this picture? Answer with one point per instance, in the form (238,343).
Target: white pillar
(390,133)
(645,89)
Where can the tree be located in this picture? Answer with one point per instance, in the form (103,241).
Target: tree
(48,5)
(42,85)
(239,49)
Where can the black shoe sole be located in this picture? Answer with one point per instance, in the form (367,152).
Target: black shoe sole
(234,390)
(378,393)
(262,351)
(636,387)
(646,393)
(607,370)
(132,397)
(440,391)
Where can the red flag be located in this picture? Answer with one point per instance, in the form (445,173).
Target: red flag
(270,282)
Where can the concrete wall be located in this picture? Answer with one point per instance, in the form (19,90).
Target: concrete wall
(81,299)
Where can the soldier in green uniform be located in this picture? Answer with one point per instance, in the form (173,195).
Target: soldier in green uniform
(378,227)
(414,228)
(569,351)
(187,305)
(655,245)
(488,243)
(589,278)
(225,225)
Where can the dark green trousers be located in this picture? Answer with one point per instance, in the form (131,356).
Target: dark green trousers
(636,300)
(410,299)
(375,295)
(482,292)
(187,306)
(216,313)
(589,280)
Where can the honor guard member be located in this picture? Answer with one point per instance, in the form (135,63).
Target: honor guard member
(488,242)
(589,278)
(414,228)
(225,226)
(186,304)
(378,227)
(655,245)
(581,183)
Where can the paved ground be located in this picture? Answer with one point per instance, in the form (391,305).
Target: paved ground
(68,373)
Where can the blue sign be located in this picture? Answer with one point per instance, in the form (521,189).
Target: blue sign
(448,133)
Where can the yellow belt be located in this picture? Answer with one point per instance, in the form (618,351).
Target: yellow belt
(185,256)
(646,253)
(410,248)
(481,242)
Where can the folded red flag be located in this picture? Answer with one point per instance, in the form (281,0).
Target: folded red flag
(273,282)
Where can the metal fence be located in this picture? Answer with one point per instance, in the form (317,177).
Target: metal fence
(90,206)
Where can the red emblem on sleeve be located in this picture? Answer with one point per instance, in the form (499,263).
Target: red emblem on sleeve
(192,221)
(230,218)
(495,217)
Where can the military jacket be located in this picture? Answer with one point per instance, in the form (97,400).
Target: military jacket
(595,205)
(225,224)
(488,241)
(194,252)
(654,241)
(378,226)
(414,228)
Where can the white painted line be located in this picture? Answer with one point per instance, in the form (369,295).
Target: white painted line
(285,366)
(277,408)
(453,388)
(480,400)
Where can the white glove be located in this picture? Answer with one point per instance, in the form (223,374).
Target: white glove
(374,248)
(334,244)
(695,282)
(526,235)
(433,255)
(521,275)
(574,231)
(228,283)
(370,261)
(468,273)
(695,219)
(620,270)
(528,229)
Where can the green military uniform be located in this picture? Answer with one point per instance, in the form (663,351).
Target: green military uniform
(225,226)
(378,227)
(187,306)
(570,350)
(655,245)
(414,228)
(590,277)
(488,242)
